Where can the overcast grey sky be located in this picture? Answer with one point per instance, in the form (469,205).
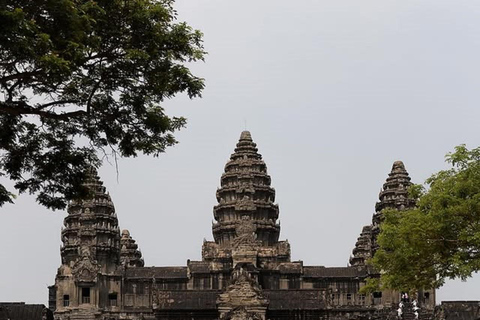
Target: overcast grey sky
(333,93)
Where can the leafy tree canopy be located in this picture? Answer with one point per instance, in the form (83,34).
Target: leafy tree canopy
(81,78)
(440,239)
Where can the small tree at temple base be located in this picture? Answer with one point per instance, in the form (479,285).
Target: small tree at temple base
(440,238)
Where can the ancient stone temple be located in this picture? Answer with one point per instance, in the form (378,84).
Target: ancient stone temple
(245,273)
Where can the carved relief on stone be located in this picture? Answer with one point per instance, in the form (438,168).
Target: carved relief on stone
(85,268)
(242,291)
(245,204)
(161,299)
(209,249)
(64,270)
(241,313)
(242,299)
(245,231)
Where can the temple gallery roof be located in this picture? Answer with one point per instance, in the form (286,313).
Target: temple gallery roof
(22,311)
(206,300)
(157,272)
(334,272)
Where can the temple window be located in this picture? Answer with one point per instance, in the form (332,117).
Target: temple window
(112,299)
(201,282)
(294,283)
(85,295)
(349,297)
(66,300)
(206,282)
(215,282)
(361,297)
(334,298)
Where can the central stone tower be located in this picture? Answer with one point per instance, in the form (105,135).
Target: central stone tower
(245,230)
(246,193)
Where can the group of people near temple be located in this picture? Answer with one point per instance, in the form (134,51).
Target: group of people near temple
(403,303)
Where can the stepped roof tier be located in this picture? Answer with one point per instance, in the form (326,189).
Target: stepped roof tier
(245,192)
(394,194)
(363,248)
(130,256)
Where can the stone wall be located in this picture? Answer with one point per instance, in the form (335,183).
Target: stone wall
(458,310)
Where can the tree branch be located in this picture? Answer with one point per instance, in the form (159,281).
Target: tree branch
(90,96)
(21,75)
(22,108)
(11,89)
(54,103)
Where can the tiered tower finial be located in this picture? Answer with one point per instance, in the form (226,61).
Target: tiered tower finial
(394,194)
(245,191)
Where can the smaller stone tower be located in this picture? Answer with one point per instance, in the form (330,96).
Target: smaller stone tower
(130,256)
(363,248)
(393,195)
(91,227)
(89,277)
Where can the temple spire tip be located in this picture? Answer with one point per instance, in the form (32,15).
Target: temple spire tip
(245,135)
(398,165)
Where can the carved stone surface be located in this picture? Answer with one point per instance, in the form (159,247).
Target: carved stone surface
(240,313)
(458,310)
(85,268)
(245,231)
(242,299)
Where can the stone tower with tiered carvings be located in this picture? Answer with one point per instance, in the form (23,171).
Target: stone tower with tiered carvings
(393,195)
(89,280)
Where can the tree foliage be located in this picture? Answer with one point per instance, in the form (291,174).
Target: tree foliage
(440,238)
(82,78)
